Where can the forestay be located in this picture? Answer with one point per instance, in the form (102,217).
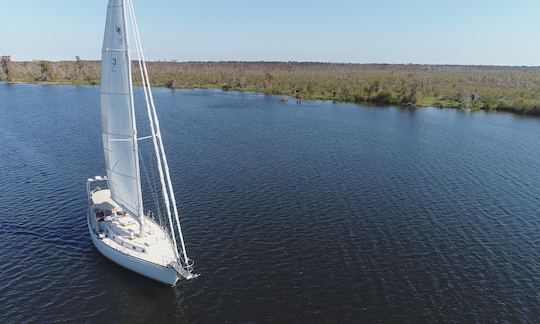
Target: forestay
(118,122)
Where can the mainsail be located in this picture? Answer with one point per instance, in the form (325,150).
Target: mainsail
(119,131)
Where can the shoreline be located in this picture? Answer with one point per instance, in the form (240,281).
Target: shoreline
(511,111)
(469,88)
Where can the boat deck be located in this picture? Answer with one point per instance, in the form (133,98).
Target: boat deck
(121,231)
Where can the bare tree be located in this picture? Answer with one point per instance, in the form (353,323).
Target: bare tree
(79,68)
(47,71)
(5,61)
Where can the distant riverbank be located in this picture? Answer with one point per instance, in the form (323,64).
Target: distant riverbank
(491,88)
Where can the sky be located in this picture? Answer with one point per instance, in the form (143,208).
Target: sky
(480,32)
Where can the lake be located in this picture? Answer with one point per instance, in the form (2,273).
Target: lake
(317,212)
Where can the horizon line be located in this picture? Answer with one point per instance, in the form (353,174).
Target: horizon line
(294,62)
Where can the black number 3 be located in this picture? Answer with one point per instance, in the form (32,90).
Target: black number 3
(114,61)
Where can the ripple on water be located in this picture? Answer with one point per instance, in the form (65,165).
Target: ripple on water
(293,213)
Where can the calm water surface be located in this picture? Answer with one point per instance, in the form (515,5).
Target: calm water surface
(314,212)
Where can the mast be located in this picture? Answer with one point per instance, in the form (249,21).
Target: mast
(134,136)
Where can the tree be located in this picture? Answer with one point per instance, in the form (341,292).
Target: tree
(5,62)
(171,83)
(268,78)
(79,68)
(465,99)
(373,90)
(407,94)
(47,71)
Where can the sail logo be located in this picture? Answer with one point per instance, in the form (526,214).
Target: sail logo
(118,31)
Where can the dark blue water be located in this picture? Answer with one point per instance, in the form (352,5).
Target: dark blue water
(315,212)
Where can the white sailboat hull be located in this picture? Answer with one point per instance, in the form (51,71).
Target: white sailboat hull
(159,273)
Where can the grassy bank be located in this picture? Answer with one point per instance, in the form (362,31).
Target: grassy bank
(514,89)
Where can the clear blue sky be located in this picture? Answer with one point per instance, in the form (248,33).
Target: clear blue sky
(499,32)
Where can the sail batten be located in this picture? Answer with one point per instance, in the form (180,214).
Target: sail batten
(119,130)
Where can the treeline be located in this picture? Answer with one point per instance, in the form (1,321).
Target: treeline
(515,89)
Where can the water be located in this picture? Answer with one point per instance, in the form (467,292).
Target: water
(315,212)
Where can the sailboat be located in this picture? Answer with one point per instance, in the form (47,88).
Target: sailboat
(120,227)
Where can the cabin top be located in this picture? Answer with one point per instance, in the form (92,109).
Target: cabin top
(102,199)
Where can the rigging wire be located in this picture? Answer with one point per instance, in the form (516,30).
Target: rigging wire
(151,184)
(153,190)
(147,95)
(155,120)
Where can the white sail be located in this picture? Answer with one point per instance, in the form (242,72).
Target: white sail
(118,123)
